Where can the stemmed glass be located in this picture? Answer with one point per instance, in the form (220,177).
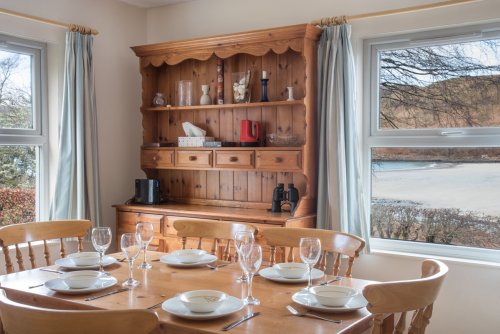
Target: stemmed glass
(130,245)
(145,234)
(243,238)
(101,239)
(310,250)
(250,259)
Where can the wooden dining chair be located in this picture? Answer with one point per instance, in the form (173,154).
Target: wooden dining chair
(338,243)
(28,233)
(399,297)
(19,318)
(221,233)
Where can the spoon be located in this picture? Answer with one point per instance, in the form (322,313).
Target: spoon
(306,314)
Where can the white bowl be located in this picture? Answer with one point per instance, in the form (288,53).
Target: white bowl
(189,255)
(291,269)
(81,279)
(85,258)
(333,295)
(203,301)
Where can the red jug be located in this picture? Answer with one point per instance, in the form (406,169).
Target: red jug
(249,136)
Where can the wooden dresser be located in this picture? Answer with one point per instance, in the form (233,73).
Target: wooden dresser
(228,183)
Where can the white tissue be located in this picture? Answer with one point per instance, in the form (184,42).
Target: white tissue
(193,131)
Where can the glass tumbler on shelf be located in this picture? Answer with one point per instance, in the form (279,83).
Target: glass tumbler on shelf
(184,93)
(310,250)
(131,248)
(243,238)
(251,259)
(101,239)
(145,234)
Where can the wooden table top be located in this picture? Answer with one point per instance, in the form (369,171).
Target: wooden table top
(163,282)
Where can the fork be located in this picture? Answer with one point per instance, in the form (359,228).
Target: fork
(307,314)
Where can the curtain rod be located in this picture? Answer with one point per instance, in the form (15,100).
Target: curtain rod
(70,27)
(411,9)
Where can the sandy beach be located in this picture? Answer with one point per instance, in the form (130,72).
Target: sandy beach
(467,186)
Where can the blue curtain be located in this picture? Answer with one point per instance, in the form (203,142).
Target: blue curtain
(76,194)
(340,196)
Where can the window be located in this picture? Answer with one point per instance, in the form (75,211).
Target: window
(22,132)
(432,135)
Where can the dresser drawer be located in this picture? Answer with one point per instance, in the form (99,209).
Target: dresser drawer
(193,159)
(153,158)
(234,159)
(279,160)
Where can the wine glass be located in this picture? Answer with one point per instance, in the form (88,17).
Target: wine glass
(101,239)
(310,250)
(243,238)
(250,259)
(145,233)
(131,248)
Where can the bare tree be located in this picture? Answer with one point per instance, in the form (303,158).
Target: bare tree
(440,86)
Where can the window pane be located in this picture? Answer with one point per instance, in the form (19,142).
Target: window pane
(17,184)
(16,107)
(438,195)
(445,86)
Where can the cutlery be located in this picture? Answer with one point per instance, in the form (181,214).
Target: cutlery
(338,278)
(106,294)
(51,270)
(239,321)
(216,266)
(155,306)
(36,286)
(306,314)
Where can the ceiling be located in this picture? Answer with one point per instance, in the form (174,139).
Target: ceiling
(152,3)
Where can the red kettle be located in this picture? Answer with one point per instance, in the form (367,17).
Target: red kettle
(249,136)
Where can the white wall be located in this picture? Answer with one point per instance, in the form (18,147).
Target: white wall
(468,302)
(117,78)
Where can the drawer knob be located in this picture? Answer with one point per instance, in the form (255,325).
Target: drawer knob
(233,159)
(278,159)
(192,158)
(155,157)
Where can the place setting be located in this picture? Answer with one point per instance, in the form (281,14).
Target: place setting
(81,282)
(188,258)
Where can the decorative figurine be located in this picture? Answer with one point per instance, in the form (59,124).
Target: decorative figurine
(205,98)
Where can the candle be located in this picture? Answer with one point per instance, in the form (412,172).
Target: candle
(264,74)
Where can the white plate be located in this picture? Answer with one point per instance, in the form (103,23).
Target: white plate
(309,302)
(176,307)
(173,260)
(58,285)
(271,274)
(69,264)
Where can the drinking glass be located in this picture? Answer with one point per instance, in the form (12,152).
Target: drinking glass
(101,239)
(250,259)
(131,248)
(243,238)
(310,250)
(145,234)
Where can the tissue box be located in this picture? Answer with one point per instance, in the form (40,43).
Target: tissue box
(193,141)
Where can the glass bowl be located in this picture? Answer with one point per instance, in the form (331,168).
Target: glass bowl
(274,139)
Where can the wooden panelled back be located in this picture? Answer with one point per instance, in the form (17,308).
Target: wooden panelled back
(402,296)
(331,241)
(218,231)
(14,235)
(21,319)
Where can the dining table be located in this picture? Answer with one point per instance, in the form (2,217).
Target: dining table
(164,282)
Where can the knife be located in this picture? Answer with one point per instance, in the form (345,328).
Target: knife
(106,294)
(330,281)
(239,321)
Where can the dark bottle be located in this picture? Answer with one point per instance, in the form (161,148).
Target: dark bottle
(278,197)
(293,197)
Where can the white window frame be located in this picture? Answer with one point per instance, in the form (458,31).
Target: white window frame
(38,136)
(373,137)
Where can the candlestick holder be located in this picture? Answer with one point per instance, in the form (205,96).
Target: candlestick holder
(263,97)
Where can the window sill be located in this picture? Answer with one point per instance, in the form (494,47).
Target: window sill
(457,254)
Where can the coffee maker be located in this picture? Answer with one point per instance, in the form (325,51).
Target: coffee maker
(281,197)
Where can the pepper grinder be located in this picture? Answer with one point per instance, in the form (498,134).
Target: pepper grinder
(264,80)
